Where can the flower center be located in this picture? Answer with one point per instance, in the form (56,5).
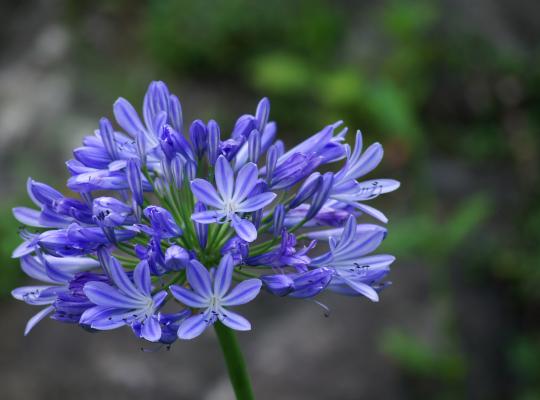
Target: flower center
(214,303)
(230,209)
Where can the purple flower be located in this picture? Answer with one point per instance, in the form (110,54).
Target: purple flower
(134,178)
(153,255)
(173,143)
(159,108)
(233,198)
(148,197)
(199,136)
(201,229)
(129,302)
(355,272)
(78,240)
(347,189)
(72,303)
(213,297)
(162,222)
(331,214)
(323,144)
(237,248)
(170,324)
(292,170)
(56,273)
(176,258)
(298,285)
(111,212)
(56,211)
(285,255)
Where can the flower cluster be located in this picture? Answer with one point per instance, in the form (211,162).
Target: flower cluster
(167,216)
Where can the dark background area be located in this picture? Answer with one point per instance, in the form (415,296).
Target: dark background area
(450,88)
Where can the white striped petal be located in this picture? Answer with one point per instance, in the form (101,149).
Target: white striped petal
(205,193)
(242,293)
(224,178)
(234,321)
(188,297)
(245,181)
(256,202)
(199,279)
(222,280)
(193,326)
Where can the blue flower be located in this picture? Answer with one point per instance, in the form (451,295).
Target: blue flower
(152,254)
(237,248)
(79,240)
(355,273)
(159,108)
(56,210)
(212,298)
(285,255)
(159,207)
(163,225)
(72,303)
(56,273)
(331,214)
(301,285)
(130,302)
(111,212)
(233,198)
(176,258)
(346,189)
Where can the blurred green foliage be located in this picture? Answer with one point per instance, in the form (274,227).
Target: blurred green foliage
(456,227)
(419,359)
(217,38)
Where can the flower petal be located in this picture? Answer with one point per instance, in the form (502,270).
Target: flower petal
(106,324)
(127,117)
(206,193)
(24,249)
(188,297)
(193,326)
(256,202)
(120,278)
(159,299)
(102,294)
(141,277)
(151,330)
(224,178)
(36,318)
(28,216)
(35,269)
(199,279)
(234,321)
(245,181)
(337,232)
(367,162)
(101,317)
(371,211)
(242,293)
(222,280)
(35,295)
(363,289)
(365,244)
(244,229)
(208,217)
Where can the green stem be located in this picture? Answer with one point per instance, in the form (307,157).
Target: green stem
(235,362)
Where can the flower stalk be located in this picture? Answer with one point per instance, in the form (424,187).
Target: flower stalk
(236,365)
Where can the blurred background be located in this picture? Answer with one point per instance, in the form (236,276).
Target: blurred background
(451,90)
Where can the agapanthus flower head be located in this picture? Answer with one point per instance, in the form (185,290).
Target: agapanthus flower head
(201,217)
